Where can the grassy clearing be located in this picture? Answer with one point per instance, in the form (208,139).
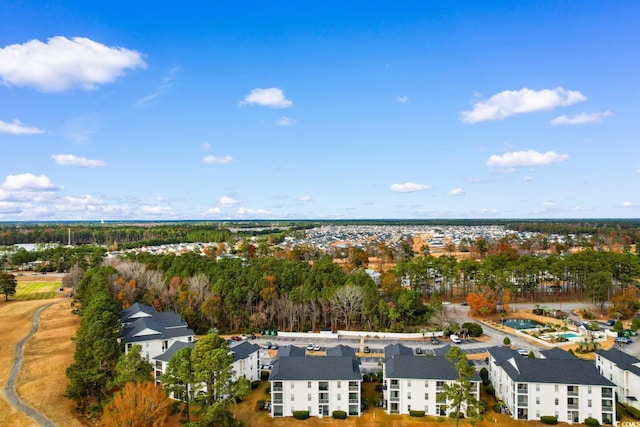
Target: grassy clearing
(27,291)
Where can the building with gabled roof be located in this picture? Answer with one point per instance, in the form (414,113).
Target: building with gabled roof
(154,331)
(318,384)
(412,382)
(569,389)
(623,370)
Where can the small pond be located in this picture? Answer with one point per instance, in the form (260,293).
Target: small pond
(521,323)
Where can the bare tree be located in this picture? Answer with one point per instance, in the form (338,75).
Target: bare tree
(73,277)
(199,287)
(347,301)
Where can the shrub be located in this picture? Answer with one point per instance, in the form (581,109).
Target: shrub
(617,327)
(491,391)
(633,412)
(497,408)
(482,406)
(484,374)
(506,341)
(635,324)
(267,389)
(339,415)
(418,414)
(549,419)
(440,419)
(255,385)
(264,375)
(591,422)
(301,415)
(378,387)
(473,329)
(455,415)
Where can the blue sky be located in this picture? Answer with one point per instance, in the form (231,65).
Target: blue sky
(271,110)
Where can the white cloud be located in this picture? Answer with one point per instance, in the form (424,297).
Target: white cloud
(525,158)
(270,97)
(285,121)
(62,64)
(510,102)
(82,128)
(305,198)
(627,204)
(581,118)
(213,211)
(402,99)
(29,182)
(456,192)
(219,160)
(228,201)
(527,178)
(249,211)
(16,128)
(72,160)
(163,87)
(408,187)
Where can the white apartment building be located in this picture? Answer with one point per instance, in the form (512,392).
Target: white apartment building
(567,388)
(624,371)
(318,384)
(154,331)
(412,382)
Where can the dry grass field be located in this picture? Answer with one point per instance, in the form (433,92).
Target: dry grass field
(47,354)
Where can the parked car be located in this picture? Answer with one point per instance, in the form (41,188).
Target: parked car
(310,347)
(236,338)
(455,339)
(418,350)
(464,304)
(267,367)
(523,352)
(623,340)
(274,346)
(611,322)
(434,340)
(267,345)
(316,347)
(252,336)
(366,349)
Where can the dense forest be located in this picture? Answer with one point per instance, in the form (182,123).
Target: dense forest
(132,234)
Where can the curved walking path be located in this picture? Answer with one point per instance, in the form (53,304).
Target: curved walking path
(10,387)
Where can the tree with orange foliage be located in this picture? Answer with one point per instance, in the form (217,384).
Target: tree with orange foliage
(138,404)
(479,304)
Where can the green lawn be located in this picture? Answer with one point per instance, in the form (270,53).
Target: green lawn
(36,290)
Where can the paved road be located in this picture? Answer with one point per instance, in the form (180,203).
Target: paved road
(10,387)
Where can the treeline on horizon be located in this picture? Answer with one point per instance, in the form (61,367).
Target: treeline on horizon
(128,234)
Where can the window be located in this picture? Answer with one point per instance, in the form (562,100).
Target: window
(309,397)
(556,388)
(426,396)
(292,384)
(339,397)
(537,414)
(408,407)
(308,384)
(589,403)
(338,384)
(408,383)
(537,400)
(537,387)
(293,397)
(556,401)
(426,384)
(409,395)
(556,414)
(165,345)
(589,389)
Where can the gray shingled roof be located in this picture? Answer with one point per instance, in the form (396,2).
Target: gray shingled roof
(556,353)
(502,354)
(421,367)
(621,359)
(243,350)
(555,371)
(125,315)
(129,331)
(395,350)
(292,363)
(173,349)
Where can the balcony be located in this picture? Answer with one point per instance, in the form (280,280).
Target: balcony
(323,401)
(394,399)
(277,388)
(277,401)
(354,388)
(523,401)
(607,407)
(607,393)
(573,406)
(354,400)
(572,392)
(523,388)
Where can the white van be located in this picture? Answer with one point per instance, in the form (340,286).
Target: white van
(455,339)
